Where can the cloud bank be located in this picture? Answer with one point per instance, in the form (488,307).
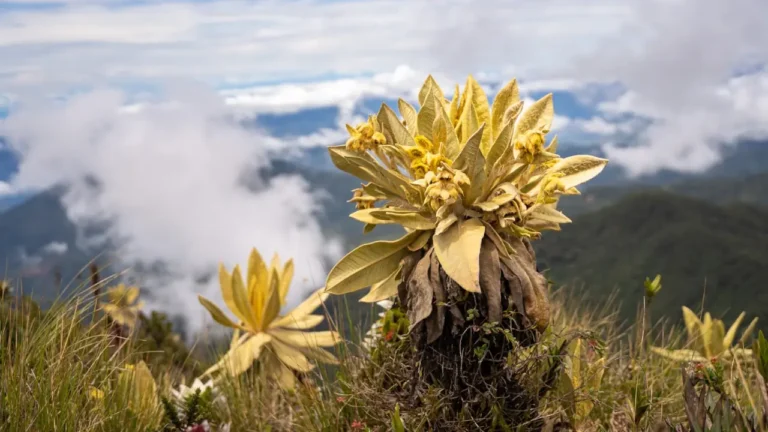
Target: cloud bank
(167,181)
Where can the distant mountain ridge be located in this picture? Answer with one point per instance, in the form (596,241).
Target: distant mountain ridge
(29,227)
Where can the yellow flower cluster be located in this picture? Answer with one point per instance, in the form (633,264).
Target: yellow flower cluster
(529,145)
(365,136)
(445,187)
(362,200)
(425,157)
(551,186)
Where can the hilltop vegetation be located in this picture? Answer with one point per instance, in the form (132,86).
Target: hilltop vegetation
(705,252)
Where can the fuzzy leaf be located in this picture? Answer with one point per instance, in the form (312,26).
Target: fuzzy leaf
(500,145)
(306,322)
(458,250)
(272,306)
(369,216)
(258,277)
(240,358)
(471,160)
(320,355)
(446,223)
(452,146)
(426,117)
(240,297)
(468,123)
(306,339)
(399,132)
(748,331)
(285,280)
(679,355)
(480,104)
(409,115)
(421,240)
(216,313)
(537,117)
(384,289)
(429,87)
(368,264)
(731,334)
(312,302)
(291,357)
(507,96)
(578,169)
(406,218)
(549,214)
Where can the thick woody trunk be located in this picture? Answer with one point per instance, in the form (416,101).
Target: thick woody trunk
(468,344)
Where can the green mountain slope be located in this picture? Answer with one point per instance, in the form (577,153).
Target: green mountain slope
(719,190)
(719,253)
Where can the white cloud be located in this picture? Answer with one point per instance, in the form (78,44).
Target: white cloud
(234,42)
(55,248)
(168,177)
(678,72)
(5,188)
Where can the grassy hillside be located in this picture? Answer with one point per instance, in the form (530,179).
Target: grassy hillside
(718,253)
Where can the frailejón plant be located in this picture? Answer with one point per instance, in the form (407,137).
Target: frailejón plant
(278,342)
(708,339)
(122,305)
(471,183)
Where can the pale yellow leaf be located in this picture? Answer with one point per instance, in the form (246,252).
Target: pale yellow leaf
(507,96)
(468,123)
(240,358)
(451,146)
(430,87)
(552,147)
(312,302)
(408,219)
(446,223)
(368,264)
(368,216)
(240,298)
(420,241)
(272,306)
(578,169)
(384,289)
(216,313)
(499,147)
(483,112)
(537,117)
(458,250)
(227,293)
(320,355)
(305,322)
(409,115)
(471,161)
(257,280)
(731,335)
(291,357)
(426,117)
(306,339)
(679,355)
(549,214)
(748,331)
(285,281)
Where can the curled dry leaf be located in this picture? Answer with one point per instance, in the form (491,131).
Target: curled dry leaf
(490,279)
(420,291)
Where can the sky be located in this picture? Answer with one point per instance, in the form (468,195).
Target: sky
(139,96)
